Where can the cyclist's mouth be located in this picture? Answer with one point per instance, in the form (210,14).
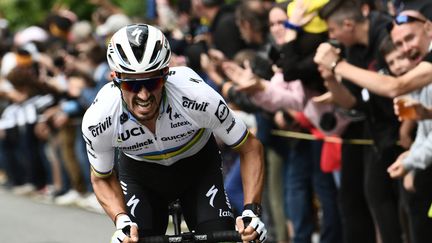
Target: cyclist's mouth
(142,103)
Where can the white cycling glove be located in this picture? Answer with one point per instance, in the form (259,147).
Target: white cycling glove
(256,223)
(123,224)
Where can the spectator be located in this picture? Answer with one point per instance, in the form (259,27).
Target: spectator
(361,36)
(303,167)
(224,33)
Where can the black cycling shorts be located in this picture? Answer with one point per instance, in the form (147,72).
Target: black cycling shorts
(197,181)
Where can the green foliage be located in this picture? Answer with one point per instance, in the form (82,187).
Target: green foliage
(23,13)
(132,7)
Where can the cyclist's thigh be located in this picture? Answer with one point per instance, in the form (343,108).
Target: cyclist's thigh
(145,207)
(205,204)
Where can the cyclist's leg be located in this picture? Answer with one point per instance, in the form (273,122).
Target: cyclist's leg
(205,205)
(145,206)
(147,209)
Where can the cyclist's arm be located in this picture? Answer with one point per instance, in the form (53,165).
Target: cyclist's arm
(109,194)
(387,85)
(252,168)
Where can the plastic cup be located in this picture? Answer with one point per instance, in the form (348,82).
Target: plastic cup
(405,112)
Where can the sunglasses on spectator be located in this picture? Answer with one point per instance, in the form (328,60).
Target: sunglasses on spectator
(134,85)
(403,19)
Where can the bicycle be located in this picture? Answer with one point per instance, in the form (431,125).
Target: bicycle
(175,212)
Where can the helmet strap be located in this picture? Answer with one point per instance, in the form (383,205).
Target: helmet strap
(113,75)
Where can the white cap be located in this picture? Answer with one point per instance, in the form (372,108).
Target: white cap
(112,24)
(32,33)
(81,30)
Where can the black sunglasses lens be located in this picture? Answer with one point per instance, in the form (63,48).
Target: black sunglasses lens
(135,86)
(153,84)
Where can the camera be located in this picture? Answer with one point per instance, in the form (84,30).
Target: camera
(328,121)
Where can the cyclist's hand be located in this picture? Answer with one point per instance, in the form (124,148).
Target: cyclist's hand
(127,231)
(251,227)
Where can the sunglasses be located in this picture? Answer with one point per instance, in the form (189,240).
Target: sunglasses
(403,19)
(135,84)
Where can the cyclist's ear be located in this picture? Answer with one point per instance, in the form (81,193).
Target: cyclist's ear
(113,74)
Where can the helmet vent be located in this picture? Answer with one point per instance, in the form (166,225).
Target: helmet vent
(168,54)
(126,69)
(110,59)
(154,66)
(156,50)
(138,52)
(122,54)
(110,48)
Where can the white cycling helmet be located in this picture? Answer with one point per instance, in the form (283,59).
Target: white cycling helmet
(138,48)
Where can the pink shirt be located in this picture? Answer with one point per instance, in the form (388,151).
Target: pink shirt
(280,95)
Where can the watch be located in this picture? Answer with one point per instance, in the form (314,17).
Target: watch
(254,207)
(334,64)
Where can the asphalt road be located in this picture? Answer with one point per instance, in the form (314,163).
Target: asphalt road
(23,220)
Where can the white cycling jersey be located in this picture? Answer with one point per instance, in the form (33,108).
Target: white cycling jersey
(189,112)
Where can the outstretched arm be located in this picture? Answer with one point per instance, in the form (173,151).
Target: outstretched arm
(384,85)
(337,93)
(387,85)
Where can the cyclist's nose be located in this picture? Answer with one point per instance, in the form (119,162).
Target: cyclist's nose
(143,92)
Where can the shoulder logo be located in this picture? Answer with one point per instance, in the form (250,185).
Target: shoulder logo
(233,122)
(193,105)
(195,80)
(101,127)
(222,111)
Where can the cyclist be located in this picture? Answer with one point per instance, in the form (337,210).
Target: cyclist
(162,120)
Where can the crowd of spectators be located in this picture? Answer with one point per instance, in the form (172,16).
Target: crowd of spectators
(313,79)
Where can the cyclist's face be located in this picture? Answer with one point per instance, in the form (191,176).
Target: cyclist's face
(143,102)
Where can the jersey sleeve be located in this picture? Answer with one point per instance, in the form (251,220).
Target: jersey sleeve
(97,129)
(232,131)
